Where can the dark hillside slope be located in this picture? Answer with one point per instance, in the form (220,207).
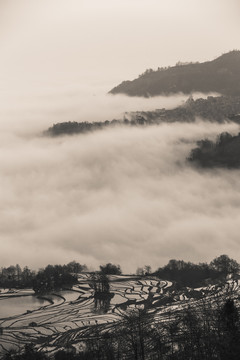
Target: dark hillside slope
(225,152)
(221,75)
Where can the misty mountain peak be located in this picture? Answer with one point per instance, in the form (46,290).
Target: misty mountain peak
(221,75)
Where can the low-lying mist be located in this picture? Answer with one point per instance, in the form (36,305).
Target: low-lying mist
(31,111)
(121,195)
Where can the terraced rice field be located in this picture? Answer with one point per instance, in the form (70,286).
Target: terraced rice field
(69,316)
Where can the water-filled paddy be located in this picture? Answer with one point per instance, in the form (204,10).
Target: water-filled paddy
(20,304)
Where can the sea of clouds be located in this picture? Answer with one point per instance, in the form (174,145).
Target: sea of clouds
(121,195)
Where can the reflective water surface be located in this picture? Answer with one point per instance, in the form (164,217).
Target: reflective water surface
(19,305)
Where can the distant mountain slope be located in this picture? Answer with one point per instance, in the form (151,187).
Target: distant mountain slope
(214,109)
(221,75)
(225,152)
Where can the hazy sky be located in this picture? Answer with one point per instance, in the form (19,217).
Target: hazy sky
(57,53)
(62,42)
(123,195)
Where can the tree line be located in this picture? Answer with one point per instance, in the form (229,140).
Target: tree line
(193,275)
(49,278)
(56,276)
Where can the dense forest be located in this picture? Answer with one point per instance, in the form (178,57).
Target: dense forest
(225,152)
(217,109)
(221,75)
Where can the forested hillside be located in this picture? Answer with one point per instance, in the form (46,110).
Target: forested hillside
(221,75)
(225,152)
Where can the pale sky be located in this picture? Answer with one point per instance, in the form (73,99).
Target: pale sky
(61,42)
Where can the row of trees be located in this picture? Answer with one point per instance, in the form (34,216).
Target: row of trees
(189,274)
(43,280)
(53,276)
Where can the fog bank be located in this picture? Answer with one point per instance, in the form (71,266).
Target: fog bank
(31,111)
(124,195)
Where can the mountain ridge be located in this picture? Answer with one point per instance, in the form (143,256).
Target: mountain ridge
(220,75)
